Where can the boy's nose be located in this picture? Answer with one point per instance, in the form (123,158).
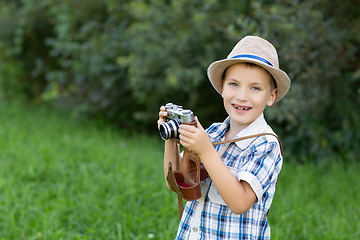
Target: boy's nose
(242,95)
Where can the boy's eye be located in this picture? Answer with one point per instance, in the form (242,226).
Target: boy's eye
(233,84)
(256,88)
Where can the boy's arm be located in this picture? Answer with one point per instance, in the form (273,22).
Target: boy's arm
(170,146)
(238,195)
(169,156)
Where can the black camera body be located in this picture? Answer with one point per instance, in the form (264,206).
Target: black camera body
(176,116)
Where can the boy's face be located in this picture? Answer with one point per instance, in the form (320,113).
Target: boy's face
(246,92)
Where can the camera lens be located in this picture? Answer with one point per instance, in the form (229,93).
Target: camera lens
(169,129)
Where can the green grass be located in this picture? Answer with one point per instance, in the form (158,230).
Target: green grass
(62,179)
(66,179)
(317,202)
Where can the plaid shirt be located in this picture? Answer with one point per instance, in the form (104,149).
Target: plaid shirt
(257,161)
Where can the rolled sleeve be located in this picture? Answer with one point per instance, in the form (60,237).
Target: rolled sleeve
(253,181)
(261,167)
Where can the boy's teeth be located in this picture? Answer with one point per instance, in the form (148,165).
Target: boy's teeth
(241,108)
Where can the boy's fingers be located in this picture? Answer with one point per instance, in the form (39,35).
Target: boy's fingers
(198,124)
(163,114)
(187,128)
(185,140)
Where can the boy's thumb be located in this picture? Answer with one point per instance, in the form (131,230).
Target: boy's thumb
(198,124)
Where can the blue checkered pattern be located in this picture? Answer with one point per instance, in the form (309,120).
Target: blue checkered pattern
(257,161)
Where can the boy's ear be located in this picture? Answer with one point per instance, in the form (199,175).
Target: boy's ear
(272,97)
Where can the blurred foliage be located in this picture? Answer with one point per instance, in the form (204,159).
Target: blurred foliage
(120,60)
(320,51)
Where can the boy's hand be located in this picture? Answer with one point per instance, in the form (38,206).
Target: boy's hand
(194,138)
(162,116)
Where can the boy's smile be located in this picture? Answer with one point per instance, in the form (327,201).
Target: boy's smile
(241,109)
(246,93)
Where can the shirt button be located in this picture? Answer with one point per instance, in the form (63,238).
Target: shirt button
(195,229)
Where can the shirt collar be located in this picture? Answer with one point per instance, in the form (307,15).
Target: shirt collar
(256,127)
(219,133)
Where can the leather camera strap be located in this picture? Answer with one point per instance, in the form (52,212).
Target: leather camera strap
(250,136)
(180,200)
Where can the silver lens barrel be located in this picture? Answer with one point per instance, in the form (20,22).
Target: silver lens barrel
(169,129)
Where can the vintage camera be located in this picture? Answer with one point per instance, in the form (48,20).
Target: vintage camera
(176,116)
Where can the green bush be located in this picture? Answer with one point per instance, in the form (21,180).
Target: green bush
(120,60)
(89,38)
(321,54)
(23,53)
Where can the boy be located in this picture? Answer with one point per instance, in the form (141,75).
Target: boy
(242,175)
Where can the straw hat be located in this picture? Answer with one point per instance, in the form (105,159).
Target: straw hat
(255,50)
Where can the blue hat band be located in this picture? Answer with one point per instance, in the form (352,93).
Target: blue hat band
(252,57)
